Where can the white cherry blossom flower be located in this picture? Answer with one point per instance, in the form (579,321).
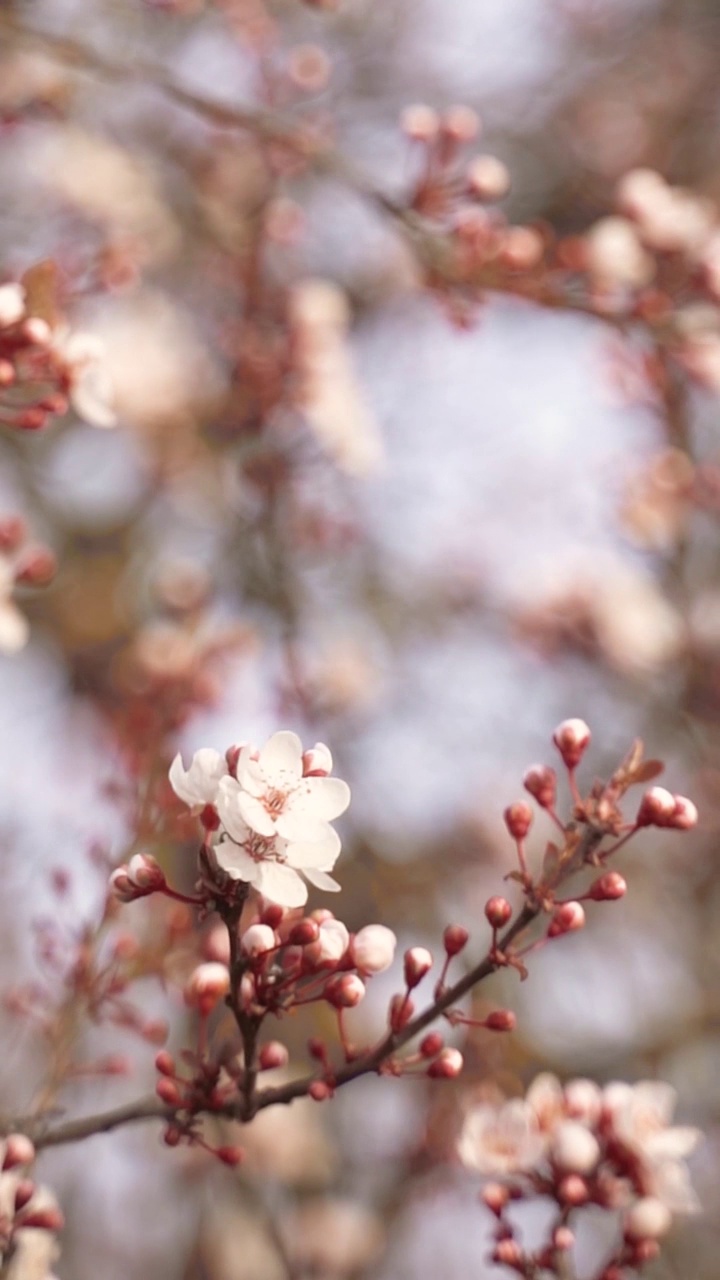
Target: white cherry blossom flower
(640,1116)
(275,799)
(12,304)
(198,785)
(502,1140)
(91,388)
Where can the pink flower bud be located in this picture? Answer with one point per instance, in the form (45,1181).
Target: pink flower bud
(13,532)
(657,807)
(47,1219)
(447,1065)
(518,818)
(501,1020)
(574,1149)
(273,915)
(372,949)
(573,1190)
(487,178)
(333,941)
(24,1192)
(258,939)
(568,917)
(685,816)
(273,1055)
(145,872)
(455,939)
(608,888)
(155,1031)
(37,567)
(302,933)
(168,1092)
(207,986)
(648,1219)
(563,1238)
(508,1253)
(418,962)
(317,762)
(541,781)
(583,1100)
(165,1063)
(495,1196)
(498,911)
(18,1150)
(122,887)
(571,739)
(400,1012)
(230,1156)
(216,945)
(319,1091)
(344,991)
(431,1044)
(461,124)
(420,123)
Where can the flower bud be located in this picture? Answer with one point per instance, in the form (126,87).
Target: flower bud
(455,939)
(447,1065)
(302,933)
(13,530)
(573,1190)
(648,1219)
(568,917)
(574,1149)
(145,872)
(273,915)
(498,911)
(400,1012)
(333,941)
(461,124)
(344,991)
(608,888)
(273,1055)
(24,1192)
(168,1092)
(230,1156)
(571,739)
(258,939)
(418,962)
(563,1238)
(496,1197)
(685,816)
(18,1150)
(431,1044)
(583,1100)
(165,1063)
(37,567)
(122,887)
(372,949)
(518,819)
(656,808)
(487,178)
(207,986)
(317,762)
(420,123)
(501,1020)
(508,1253)
(48,1219)
(319,1091)
(541,781)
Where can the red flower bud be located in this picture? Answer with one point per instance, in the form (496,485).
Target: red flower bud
(447,1065)
(418,962)
(168,1092)
(501,1020)
(498,911)
(518,819)
(431,1044)
(400,1012)
(165,1063)
(541,781)
(571,739)
(454,939)
(608,887)
(568,917)
(272,1055)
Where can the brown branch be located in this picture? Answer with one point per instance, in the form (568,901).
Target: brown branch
(244,1108)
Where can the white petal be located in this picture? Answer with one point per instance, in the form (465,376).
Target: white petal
(280,884)
(321,880)
(12,304)
(236,861)
(281,758)
(249,774)
(303,829)
(255,814)
(92,395)
(318,853)
(322,797)
(14,629)
(228,793)
(674,1143)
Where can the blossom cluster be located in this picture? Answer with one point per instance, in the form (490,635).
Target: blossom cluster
(46,367)
(268,813)
(29,1214)
(580,1145)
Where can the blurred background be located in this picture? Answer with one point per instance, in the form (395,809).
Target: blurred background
(326,507)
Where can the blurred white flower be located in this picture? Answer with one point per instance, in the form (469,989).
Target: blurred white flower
(90,385)
(198,785)
(12,304)
(640,1116)
(502,1140)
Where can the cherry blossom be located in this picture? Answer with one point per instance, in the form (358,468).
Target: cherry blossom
(198,785)
(274,798)
(82,356)
(502,1140)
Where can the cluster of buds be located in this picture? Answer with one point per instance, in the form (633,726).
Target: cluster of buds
(22,564)
(581,1145)
(455,195)
(29,1214)
(44,370)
